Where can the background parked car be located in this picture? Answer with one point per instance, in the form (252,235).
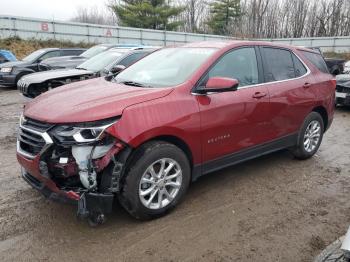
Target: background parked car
(342,93)
(6,56)
(11,72)
(347,67)
(101,64)
(335,65)
(73,61)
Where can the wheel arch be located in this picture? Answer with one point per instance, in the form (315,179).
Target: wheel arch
(177,142)
(180,143)
(323,112)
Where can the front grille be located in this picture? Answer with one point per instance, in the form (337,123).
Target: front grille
(22,87)
(36,125)
(343,89)
(30,142)
(31,136)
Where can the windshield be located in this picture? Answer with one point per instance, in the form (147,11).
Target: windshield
(100,61)
(166,67)
(94,51)
(33,56)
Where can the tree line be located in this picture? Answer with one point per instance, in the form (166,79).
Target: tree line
(237,18)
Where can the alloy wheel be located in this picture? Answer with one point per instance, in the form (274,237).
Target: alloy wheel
(160,183)
(312,136)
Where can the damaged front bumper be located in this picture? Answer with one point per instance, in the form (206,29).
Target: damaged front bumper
(59,196)
(84,174)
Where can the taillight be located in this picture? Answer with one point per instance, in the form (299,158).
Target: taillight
(334,83)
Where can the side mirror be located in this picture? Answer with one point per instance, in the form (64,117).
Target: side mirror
(117,69)
(220,84)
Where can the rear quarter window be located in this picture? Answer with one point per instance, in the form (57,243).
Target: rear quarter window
(317,60)
(300,69)
(279,64)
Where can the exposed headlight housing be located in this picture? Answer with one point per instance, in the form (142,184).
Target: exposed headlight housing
(6,69)
(83,133)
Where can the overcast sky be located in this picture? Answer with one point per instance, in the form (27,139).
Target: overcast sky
(51,9)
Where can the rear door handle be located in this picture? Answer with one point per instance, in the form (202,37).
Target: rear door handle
(259,95)
(306,85)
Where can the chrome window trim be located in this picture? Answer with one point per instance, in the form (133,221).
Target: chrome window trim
(308,72)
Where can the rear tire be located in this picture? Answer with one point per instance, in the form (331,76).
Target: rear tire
(156,180)
(309,137)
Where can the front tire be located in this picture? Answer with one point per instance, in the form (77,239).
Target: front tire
(309,137)
(156,180)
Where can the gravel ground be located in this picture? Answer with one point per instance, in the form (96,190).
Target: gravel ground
(274,208)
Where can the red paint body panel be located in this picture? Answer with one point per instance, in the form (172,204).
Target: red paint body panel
(212,125)
(232,121)
(88,100)
(176,114)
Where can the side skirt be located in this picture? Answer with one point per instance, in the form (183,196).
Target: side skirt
(243,155)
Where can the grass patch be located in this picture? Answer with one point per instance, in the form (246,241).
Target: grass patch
(22,48)
(345,56)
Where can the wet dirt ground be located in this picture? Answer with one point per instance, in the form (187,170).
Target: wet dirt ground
(274,208)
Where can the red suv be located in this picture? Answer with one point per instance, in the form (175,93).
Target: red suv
(170,118)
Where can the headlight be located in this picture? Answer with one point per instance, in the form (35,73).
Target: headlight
(6,69)
(81,134)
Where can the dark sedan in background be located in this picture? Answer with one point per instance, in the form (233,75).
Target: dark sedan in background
(11,72)
(335,65)
(104,64)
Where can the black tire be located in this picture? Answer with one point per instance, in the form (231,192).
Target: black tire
(299,150)
(143,158)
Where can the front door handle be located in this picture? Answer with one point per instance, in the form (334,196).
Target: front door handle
(259,95)
(306,85)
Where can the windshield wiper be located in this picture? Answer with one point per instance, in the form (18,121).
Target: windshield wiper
(82,68)
(132,83)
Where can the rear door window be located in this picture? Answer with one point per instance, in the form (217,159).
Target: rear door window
(240,64)
(50,54)
(71,52)
(279,64)
(317,60)
(132,59)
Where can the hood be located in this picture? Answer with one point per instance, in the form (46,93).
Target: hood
(40,77)
(14,64)
(89,100)
(344,84)
(342,78)
(64,61)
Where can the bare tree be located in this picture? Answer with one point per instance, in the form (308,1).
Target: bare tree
(94,15)
(195,15)
(259,18)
